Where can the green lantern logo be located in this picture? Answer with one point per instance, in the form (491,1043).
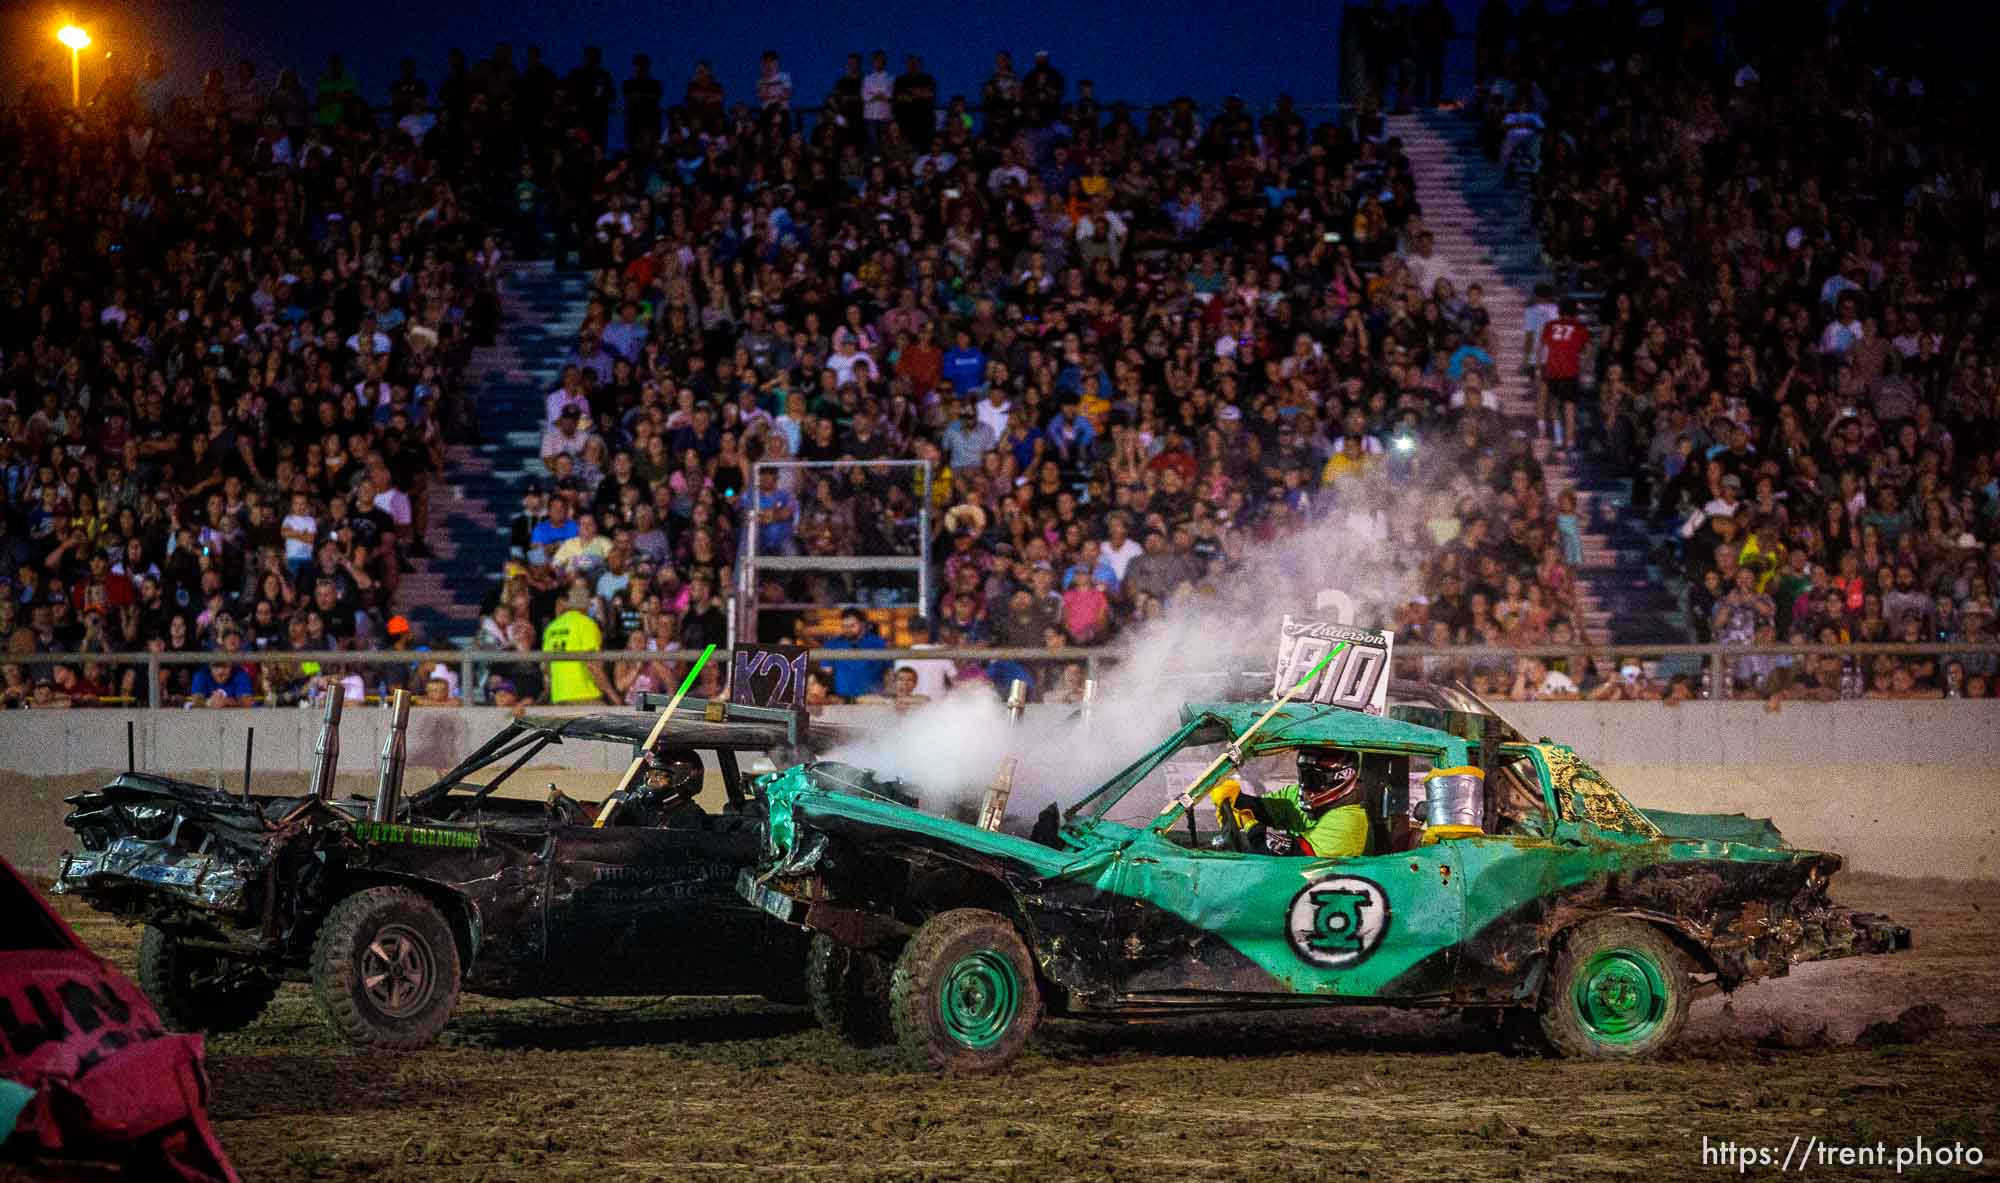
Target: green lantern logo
(1338,921)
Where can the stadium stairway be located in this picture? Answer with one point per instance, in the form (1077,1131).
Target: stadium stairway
(480,490)
(1480,225)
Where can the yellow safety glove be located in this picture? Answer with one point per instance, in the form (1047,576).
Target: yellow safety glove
(1224,795)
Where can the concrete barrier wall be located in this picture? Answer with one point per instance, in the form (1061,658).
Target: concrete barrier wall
(1900,788)
(1903,788)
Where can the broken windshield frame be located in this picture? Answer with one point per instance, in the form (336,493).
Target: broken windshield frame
(513,739)
(1101,799)
(1152,802)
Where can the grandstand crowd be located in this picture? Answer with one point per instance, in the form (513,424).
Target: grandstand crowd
(1135,345)
(1796,357)
(236,324)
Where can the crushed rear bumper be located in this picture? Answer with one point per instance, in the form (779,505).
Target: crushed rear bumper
(769,899)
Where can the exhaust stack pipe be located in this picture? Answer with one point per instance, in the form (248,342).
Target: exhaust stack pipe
(389,770)
(1089,702)
(327,750)
(993,807)
(249,751)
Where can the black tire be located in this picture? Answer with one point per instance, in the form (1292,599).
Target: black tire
(197,989)
(1617,990)
(849,989)
(963,998)
(385,969)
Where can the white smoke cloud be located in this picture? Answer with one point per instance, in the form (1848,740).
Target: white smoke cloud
(949,751)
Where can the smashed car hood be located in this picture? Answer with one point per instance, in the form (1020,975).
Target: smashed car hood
(1737,828)
(86,1070)
(806,794)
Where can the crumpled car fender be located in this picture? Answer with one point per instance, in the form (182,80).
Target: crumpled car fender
(149,1097)
(95,1074)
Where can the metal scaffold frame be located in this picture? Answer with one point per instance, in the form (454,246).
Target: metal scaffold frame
(743,614)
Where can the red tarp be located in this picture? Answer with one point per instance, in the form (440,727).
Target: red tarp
(109,1082)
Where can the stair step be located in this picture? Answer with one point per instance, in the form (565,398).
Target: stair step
(1483,235)
(540,308)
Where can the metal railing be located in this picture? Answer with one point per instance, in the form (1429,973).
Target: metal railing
(1095,659)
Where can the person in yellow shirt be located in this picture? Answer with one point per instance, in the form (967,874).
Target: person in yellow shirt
(1322,815)
(1763,553)
(575,632)
(1351,460)
(1093,405)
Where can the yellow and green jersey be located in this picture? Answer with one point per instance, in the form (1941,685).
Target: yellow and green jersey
(1338,833)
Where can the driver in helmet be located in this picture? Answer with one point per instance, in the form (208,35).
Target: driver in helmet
(1321,816)
(665,795)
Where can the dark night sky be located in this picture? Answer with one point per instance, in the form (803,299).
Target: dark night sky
(1135,49)
(1141,50)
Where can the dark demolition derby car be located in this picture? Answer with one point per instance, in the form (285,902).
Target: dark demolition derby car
(390,908)
(1511,880)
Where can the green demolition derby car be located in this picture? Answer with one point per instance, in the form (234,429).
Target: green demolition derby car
(1558,905)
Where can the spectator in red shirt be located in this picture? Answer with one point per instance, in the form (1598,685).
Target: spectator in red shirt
(104,591)
(922,363)
(1563,342)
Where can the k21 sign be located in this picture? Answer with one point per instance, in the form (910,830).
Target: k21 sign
(769,676)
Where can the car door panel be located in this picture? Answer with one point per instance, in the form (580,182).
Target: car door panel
(1372,926)
(1168,931)
(653,910)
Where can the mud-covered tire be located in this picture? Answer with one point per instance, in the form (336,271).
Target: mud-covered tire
(1617,990)
(849,990)
(385,969)
(197,989)
(963,998)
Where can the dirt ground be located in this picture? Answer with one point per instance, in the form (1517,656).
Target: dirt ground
(741,1088)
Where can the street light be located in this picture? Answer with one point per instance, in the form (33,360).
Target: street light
(78,41)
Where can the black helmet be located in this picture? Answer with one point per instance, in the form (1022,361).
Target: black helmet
(674,773)
(1328,777)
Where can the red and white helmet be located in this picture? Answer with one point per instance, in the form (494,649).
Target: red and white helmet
(1328,777)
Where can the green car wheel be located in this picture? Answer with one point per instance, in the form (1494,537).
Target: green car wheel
(979,998)
(963,998)
(1618,989)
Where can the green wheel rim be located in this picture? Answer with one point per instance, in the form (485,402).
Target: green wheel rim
(1621,996)
(978,999)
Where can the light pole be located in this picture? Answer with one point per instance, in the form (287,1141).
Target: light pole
(78,41)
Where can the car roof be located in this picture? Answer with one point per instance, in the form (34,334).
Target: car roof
(1307,723)
(633,727)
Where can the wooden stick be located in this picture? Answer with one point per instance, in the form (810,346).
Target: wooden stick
(1234,751)
(652,737)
